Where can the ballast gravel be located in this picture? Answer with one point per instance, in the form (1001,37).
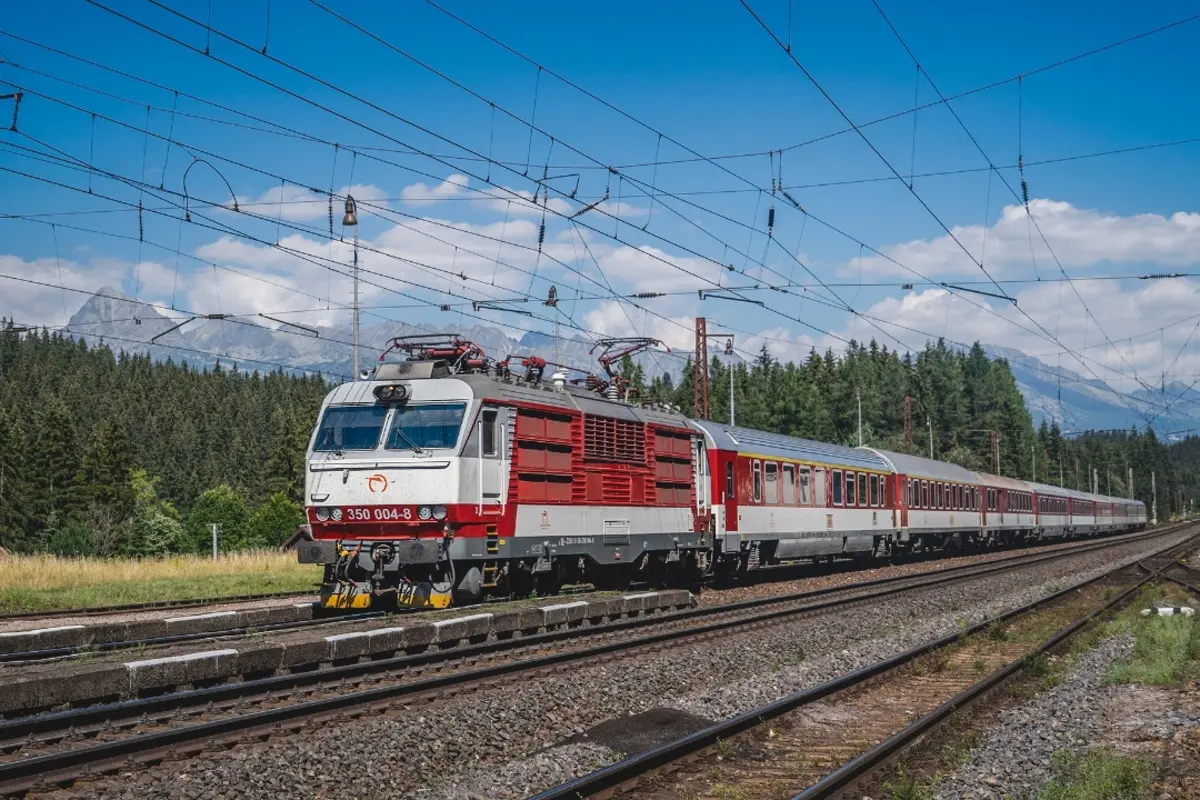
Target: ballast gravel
(1015,758)
(497,743)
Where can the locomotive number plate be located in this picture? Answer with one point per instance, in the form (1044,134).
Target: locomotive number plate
(381,514)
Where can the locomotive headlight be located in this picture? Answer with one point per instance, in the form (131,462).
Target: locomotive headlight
(322,514)
(392,393)
(439,512)
(336,515)
(424,513)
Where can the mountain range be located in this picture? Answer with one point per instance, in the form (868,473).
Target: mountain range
(1050,392)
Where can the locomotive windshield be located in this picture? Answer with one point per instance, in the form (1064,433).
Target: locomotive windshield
(426,426)
(350,428)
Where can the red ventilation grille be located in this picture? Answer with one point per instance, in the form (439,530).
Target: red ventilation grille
(614,440)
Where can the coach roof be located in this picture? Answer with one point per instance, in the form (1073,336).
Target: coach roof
(776,445)
(918,467)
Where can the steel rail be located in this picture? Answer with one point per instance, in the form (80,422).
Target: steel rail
(65,766)
(21,727)
(833,783)
(631,768)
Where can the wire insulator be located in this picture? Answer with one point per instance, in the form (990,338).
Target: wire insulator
(792,200)
(16,110)
(141,226)
(331,216)
(1025,191)
(541,236)
(770,221)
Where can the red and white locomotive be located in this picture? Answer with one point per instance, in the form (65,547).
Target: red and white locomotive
(446,474)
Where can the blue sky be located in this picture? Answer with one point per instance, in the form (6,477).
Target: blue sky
(707,76)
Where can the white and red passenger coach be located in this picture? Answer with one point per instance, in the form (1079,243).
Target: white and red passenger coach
(448,474)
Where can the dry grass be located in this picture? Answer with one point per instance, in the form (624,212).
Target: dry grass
(40,582)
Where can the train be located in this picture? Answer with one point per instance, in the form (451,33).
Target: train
(444,474)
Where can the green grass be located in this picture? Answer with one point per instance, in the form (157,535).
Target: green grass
(1098,775)
(907,787)
(42,582)
(1165,650)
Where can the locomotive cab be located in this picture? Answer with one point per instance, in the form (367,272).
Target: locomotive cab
(385,485)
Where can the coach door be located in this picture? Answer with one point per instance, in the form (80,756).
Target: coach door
(492,444)
(727,519)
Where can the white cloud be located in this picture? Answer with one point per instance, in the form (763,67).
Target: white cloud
(454,186)
(301,204)
(1079,237)
(1124,312)
(521,203)
(649,269)
(29,303)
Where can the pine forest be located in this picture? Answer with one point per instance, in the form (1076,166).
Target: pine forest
(105,453)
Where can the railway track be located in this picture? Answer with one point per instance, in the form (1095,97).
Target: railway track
(804,746)
(57,749)
(90,649)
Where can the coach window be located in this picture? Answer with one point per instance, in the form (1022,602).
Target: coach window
(924,494)
(757,467)
(789,484)
(837,487)
(958,497)
(806,492)
(874,490)
(772,470)
(489,431)
(819,486)
(862,489)
(729,495)
(851,486)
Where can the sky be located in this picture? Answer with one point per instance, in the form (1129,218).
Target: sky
(682,127)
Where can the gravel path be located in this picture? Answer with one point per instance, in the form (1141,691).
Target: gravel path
(488,743)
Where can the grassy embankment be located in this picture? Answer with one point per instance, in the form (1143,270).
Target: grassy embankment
(40,582)
(1166,652)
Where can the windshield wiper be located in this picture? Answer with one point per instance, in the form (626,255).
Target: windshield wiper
(327,442)
(416,448)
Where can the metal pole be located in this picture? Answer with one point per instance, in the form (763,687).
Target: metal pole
(858,400)
(213,527)
(1033,461)
(1153,501)
(1129,482)
(929,422)
(732,376)
(355,302)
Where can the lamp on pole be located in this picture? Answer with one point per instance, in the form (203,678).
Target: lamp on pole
(351,220)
